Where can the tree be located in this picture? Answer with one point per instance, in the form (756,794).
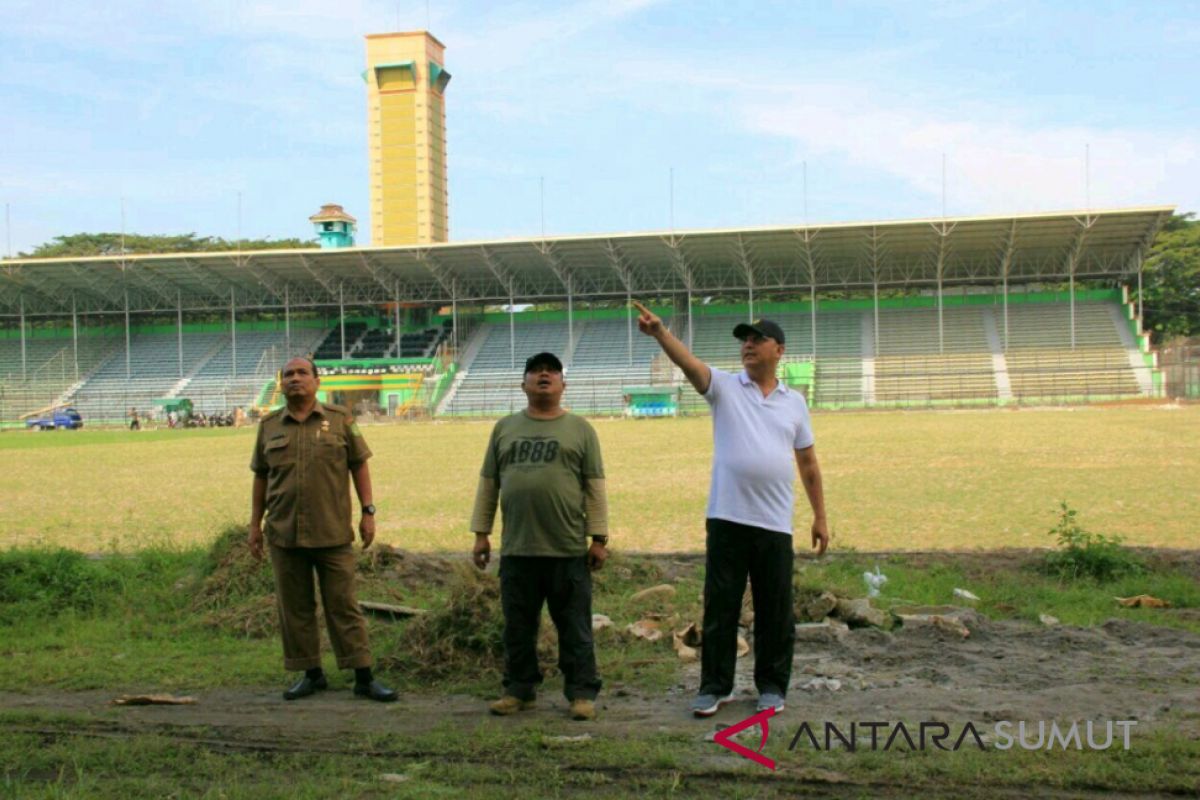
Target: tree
(115,244)
(1171,280)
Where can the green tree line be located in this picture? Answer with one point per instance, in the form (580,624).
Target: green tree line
(1171,280)
(115,244)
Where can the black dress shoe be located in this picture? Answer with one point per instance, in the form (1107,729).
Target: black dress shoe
(306,686)
(375,691)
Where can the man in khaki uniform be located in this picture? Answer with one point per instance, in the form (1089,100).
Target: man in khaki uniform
(302,458)
(543,467)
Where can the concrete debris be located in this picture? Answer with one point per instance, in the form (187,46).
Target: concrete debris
(820,607)
(646,629)
(859,613)
(1143,601)
(660,592)
(153,700)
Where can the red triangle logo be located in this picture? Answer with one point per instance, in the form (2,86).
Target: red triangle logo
(722,738)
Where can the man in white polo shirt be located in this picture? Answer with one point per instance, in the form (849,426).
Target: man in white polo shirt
(759,427)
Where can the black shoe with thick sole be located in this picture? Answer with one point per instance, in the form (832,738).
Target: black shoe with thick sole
(306,686)
(375,691)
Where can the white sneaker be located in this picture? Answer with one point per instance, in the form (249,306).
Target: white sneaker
(705,705)
(770,700)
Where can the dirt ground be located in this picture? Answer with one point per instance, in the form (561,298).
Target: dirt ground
(1003,671)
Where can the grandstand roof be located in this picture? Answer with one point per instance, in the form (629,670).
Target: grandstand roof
(954,251)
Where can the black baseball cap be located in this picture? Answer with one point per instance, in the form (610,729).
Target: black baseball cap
(543,360)
(763,327)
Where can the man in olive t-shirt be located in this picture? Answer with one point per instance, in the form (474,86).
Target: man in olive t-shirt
(543,465)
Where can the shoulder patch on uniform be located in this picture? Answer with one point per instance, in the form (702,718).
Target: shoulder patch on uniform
(274,414)
(353,428)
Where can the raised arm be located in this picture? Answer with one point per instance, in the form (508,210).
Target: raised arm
(695,370)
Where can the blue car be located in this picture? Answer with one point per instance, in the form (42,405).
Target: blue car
(61,419)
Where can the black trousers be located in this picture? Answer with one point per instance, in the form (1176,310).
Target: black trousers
(565,585)
(734,551)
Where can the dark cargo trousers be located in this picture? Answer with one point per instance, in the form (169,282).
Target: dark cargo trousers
(734,551)
(296,594)
(565,585)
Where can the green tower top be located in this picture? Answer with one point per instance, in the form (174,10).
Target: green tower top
(334,226)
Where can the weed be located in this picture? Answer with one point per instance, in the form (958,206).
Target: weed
(47,582)
(1084,554)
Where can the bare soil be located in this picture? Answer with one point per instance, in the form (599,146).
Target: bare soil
(1004,670)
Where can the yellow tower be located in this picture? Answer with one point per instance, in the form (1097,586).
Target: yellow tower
(406,127)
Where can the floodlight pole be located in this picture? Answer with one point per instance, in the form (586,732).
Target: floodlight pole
(689,315)
(629,320)
(454,315)
(23,375)
(875,292)
(812,313)
(233,332)
(943,232)
(1140,262)
(287,319)
(179,328)
(396,293)
(1071,289)
(1004,289)
(1005,268)
(570,318)
(128,362)
(342,315)
(75,334)
(941,326)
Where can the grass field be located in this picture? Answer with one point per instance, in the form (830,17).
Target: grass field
(894,480)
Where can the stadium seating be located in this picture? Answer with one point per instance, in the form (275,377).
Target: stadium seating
(906,362)
(218,387)
(207,376)
(49,370)
(1042,366)
(894,357)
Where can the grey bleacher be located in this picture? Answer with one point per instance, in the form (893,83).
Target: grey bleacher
(914,331)
(492,384)
(1042,365)
(50,369)
(217,387)
(915,364)
(207,376)
(154,367)
(604,361)
(912,362)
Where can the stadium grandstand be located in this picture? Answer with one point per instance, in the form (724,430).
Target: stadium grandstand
(998,310)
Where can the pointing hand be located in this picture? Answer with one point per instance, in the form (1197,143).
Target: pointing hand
(649,323)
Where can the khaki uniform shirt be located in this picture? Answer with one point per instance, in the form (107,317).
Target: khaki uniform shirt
(307,466)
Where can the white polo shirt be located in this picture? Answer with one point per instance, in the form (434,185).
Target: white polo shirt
(754,444)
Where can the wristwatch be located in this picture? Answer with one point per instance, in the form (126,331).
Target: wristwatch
(600,540)
(369,509)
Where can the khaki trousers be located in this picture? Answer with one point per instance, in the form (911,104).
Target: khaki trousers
(334,568)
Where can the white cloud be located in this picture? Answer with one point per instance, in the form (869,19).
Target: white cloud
(993,163)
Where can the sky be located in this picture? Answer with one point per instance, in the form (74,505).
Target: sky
(611,115)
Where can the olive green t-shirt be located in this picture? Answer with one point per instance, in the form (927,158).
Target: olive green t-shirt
(540,466)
